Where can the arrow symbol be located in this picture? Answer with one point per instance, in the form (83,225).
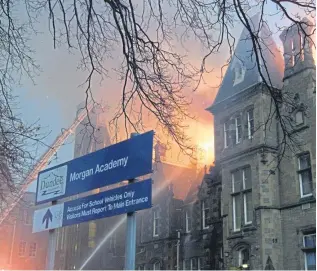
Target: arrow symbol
(47,218)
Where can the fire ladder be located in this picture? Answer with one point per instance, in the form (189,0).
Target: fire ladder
(43,161)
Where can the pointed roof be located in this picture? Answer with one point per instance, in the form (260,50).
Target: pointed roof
(244,55)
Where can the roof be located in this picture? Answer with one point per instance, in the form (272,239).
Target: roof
(244,54)
(177,177)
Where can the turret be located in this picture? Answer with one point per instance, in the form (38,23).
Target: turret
(298,48)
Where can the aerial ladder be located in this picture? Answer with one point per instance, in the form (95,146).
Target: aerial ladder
(45,158)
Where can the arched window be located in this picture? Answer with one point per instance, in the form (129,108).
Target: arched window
(156,265)
(243,256)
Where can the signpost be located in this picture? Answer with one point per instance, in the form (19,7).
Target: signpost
(125,199)
(123,161)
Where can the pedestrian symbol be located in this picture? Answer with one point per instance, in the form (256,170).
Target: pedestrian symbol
(47,218)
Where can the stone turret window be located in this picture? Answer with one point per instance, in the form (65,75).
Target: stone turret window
(303,44)
(305,175)
(292,60)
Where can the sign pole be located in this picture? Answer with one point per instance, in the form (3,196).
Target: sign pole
(130,245)
(51,247)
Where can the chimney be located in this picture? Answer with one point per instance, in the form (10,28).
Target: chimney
(298,50)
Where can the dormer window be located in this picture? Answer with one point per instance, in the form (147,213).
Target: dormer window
(299,117)
(239,72)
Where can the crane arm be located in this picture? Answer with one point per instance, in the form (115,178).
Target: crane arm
(43,161)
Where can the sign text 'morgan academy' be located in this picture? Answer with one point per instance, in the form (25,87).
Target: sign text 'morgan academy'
(122,162)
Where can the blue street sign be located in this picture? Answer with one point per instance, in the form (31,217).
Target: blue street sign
(125,199)
(123,161)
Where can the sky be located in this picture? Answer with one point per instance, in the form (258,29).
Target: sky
(57,92)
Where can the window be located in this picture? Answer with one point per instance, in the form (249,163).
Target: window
(292,54)
(309,242)
(92,234)
(62,237)
(186,264)
(112,240)
(226,134)
(200,263)
(188,222)
(304,175)
(205,215)
(156,266)
(27,218)
(238,129)
(250,123)
(155,223)
(299,117)
(302,47)
(239,72)
(22,248)
(193,264)
(142,228)
(58,232)
(241,197)
(32,251)
(243,256)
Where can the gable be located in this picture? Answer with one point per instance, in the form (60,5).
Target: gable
(243,56)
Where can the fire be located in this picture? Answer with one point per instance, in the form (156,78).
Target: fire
(207,152)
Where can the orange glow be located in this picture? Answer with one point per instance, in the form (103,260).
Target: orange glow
(207,153)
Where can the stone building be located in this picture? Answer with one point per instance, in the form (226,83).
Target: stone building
(201,238)
(181,230)
(268,203)
(20,249)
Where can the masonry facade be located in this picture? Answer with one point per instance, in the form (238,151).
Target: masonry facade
(20,249)
(268,189)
